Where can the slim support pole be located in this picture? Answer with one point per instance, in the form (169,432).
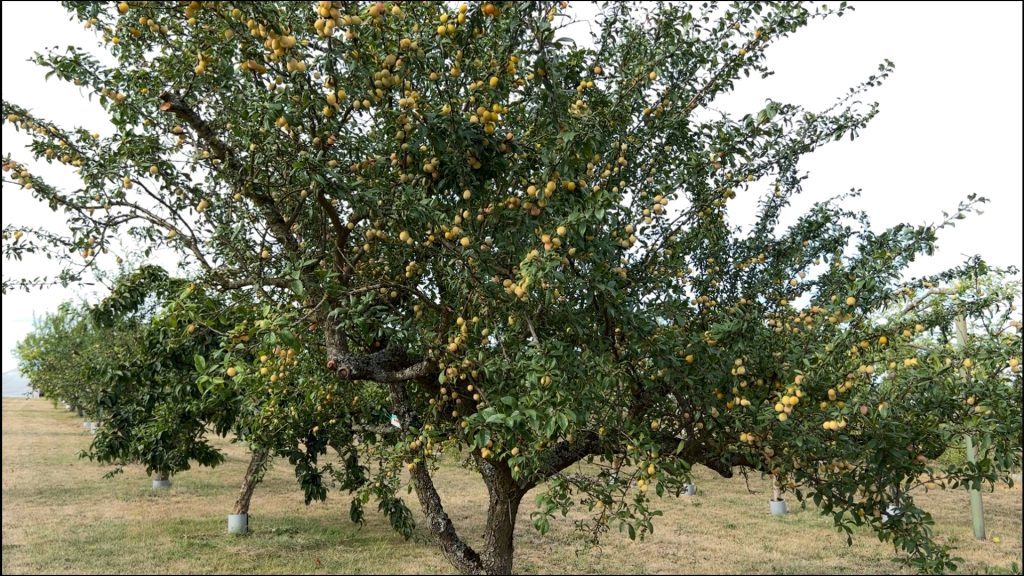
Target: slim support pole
(977,510)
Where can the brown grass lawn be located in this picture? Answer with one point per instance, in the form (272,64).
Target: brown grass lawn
(61,516)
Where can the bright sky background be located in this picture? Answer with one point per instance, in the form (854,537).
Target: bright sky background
(950,122)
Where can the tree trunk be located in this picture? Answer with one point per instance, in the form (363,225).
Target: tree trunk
(253,476)
(504,497)
(461,555)
(503,506)
(163,475)
(502,509)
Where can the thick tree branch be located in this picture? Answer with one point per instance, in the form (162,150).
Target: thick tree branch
(697,451)
(175,105)
(275,221)
(562,455)
(389,365)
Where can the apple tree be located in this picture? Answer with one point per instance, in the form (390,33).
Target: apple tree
(519,245)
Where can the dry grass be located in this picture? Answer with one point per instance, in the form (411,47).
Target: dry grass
(61,516)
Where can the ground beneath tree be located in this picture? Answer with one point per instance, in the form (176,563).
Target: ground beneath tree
(61,516)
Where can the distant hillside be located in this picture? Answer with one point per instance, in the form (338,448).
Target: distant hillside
(15,384)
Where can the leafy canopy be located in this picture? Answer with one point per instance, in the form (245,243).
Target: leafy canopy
(523,247)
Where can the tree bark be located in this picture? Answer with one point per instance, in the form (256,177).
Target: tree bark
(461,555)
(253,476)
(505,496)
(502,509)
(163,475)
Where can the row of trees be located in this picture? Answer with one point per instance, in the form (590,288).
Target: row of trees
(518,247)
(155,381)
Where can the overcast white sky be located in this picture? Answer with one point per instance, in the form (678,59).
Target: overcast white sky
(950,122)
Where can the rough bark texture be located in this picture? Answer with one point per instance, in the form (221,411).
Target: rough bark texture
(503,506)
(502,509)
(253,475)
(387,365)
(460,554)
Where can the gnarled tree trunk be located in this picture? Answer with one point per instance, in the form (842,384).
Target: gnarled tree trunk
(503,506)
(460,554)
(505,496)
(253,476)
(497,552)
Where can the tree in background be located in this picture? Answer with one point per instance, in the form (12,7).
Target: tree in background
(520,247)
(138,384)
(153,413)
(43,359)
(156,398)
